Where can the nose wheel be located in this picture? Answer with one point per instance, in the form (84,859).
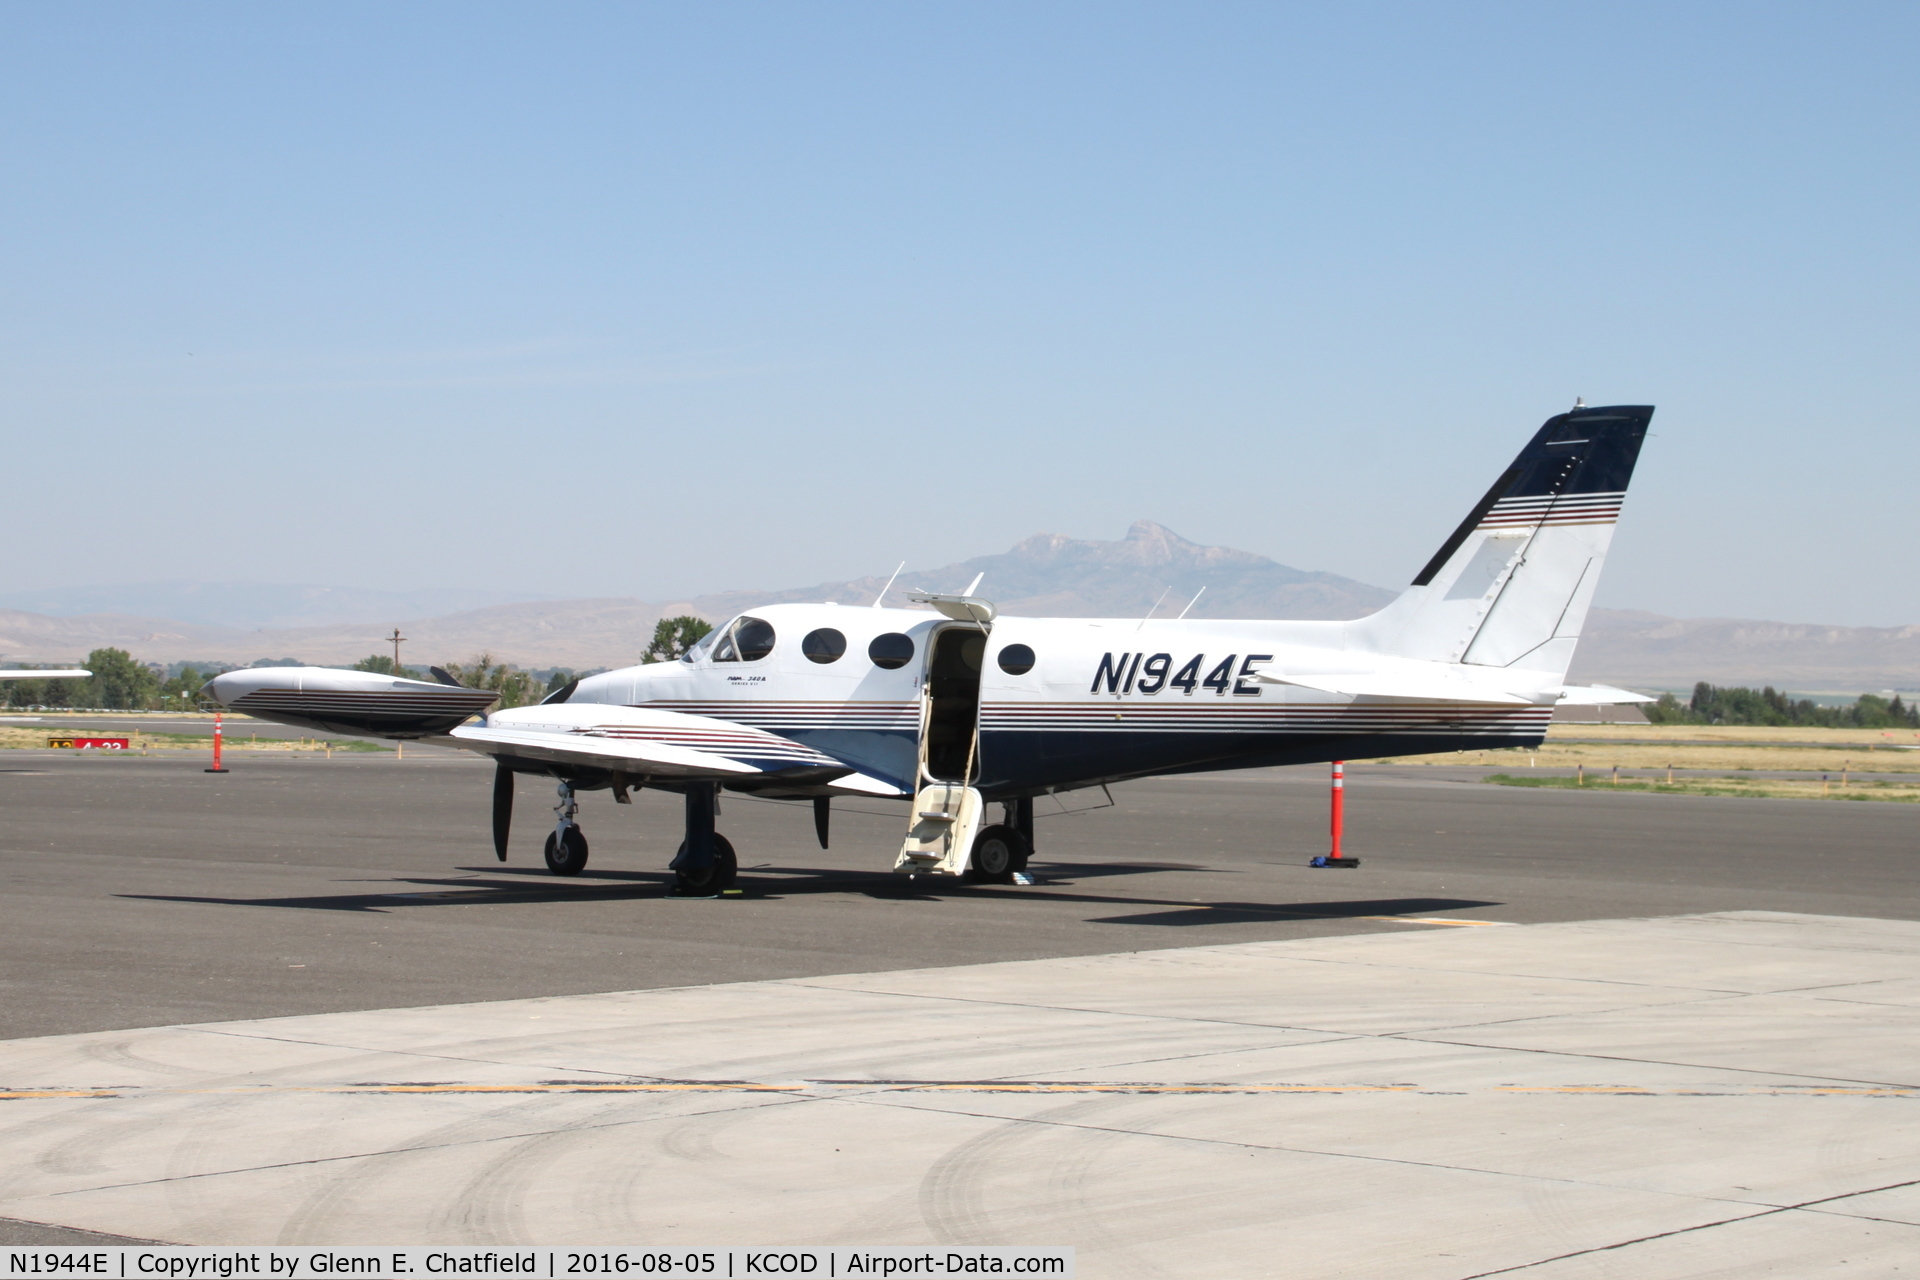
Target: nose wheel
(566,848)
(566,854)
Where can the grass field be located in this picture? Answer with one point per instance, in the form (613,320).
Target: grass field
(1767,788)
(1760,734)
(1725,747)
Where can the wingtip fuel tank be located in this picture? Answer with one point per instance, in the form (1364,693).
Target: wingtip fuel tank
(349,701)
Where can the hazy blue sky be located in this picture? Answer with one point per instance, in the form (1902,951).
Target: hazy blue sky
(649,300)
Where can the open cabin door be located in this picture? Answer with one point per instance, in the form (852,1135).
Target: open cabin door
(946,805)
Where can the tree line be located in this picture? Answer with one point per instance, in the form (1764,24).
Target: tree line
(121,682)
(1716,704)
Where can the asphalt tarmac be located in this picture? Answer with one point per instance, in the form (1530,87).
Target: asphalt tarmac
(143,891)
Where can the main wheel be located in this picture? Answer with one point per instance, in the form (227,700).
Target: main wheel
(998,852)
(720,875)
(570,861)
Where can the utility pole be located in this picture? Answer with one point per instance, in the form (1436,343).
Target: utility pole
(396,637)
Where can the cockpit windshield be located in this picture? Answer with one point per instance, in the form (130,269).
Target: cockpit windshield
(700,646)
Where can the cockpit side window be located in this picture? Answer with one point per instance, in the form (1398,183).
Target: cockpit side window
(747,639)
(754,638)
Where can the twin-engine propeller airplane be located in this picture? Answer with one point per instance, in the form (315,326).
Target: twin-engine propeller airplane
(959,708)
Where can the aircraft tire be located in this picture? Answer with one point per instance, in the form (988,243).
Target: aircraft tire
(998,852)
(725,869)
(571,861)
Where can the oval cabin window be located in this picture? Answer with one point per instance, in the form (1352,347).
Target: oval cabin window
(1016,659)
(823,646)
(891,651)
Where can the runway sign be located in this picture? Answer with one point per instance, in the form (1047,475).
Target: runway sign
(89,744)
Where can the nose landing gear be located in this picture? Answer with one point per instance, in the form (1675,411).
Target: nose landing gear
(566,848)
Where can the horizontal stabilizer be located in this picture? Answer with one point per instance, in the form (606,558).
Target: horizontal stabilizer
(1599,695)
(1420,686)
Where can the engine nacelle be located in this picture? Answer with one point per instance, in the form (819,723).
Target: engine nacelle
(349,701)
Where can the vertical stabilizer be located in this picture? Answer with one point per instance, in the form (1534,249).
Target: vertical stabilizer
(1511,587)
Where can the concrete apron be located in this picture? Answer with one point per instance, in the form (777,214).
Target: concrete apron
(1732,1094)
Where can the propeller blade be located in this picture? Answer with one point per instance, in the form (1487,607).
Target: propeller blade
(502,808)
(822,806)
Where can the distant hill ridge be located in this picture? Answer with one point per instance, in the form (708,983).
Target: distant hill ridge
(249,606)
(1049,575)
(1044,575)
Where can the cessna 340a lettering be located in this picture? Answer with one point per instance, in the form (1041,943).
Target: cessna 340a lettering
(957,709)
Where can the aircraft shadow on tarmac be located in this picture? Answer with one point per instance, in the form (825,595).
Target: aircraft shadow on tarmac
(1056,885)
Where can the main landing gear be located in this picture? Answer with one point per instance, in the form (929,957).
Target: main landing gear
(1000,852)
(705,866)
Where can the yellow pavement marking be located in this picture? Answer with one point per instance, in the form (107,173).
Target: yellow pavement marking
(1043,1087)
(8,1094)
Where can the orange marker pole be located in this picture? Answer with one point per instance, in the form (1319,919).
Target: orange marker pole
(1339,805)
(217,735)
(1338,822)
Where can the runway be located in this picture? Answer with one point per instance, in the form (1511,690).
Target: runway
(1710,1095)
(142,892)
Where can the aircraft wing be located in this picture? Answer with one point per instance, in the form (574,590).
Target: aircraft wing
(641,742)
(669,745)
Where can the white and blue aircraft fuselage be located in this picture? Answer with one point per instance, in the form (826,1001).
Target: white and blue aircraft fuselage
(955,708)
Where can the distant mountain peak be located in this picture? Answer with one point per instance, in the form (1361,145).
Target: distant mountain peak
(1162,539)
(1148,544)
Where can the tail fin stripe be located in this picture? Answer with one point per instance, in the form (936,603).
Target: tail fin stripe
(1605,516)
(1596,508)
(1549,500)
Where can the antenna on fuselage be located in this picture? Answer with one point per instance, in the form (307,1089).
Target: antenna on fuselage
(1196,600)
(975,584)
(883,591)
(1156,605)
